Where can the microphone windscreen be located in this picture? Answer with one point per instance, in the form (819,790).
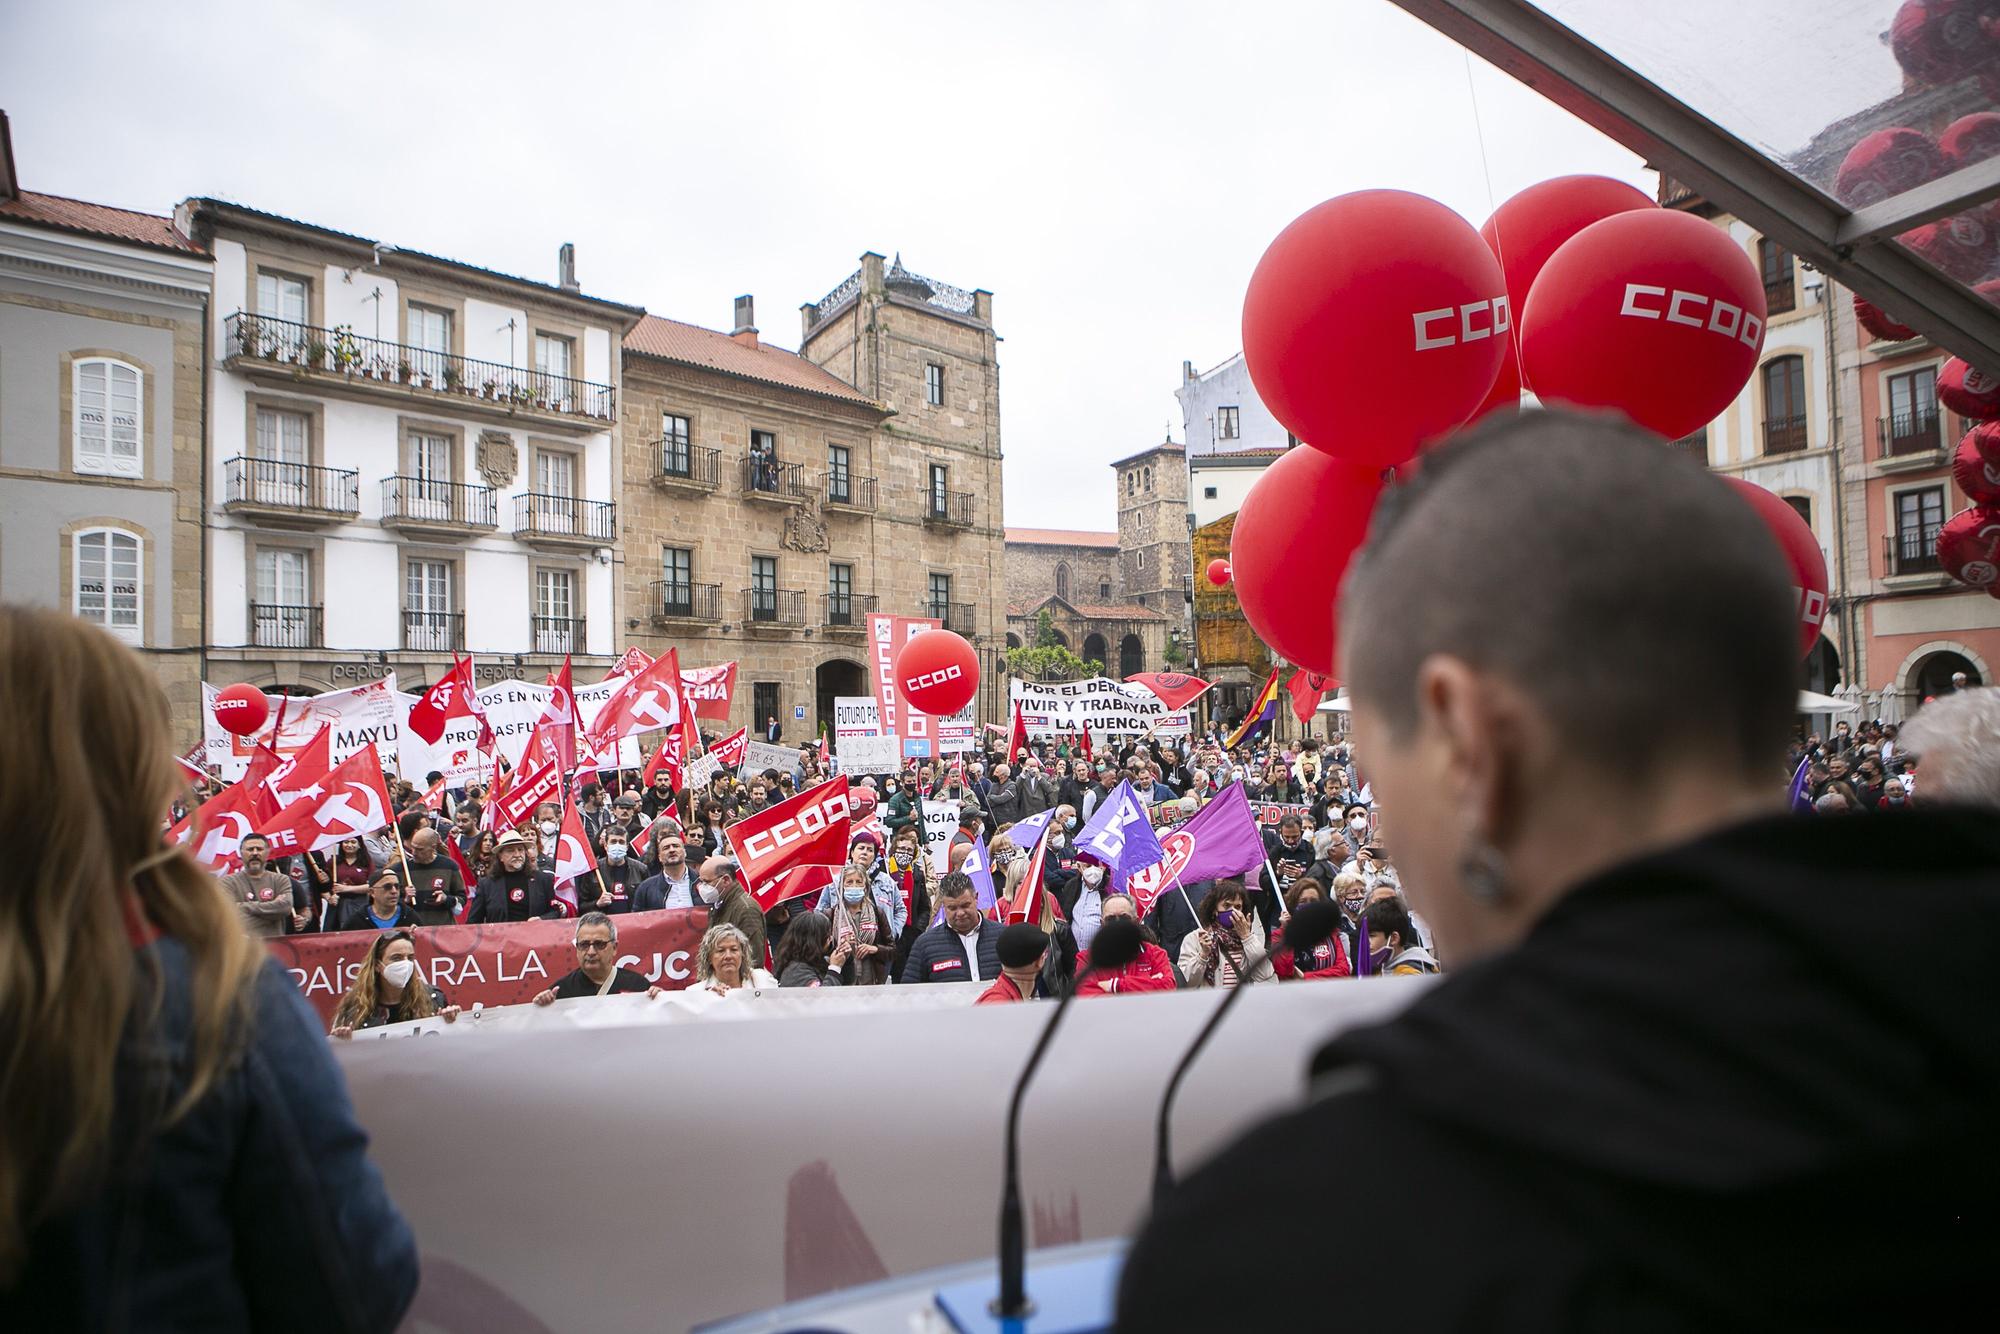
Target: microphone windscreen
(1310,926)
(1116,944)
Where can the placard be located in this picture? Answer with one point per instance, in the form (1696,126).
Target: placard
(940,823)
(761,755)
(1104,706)
(869,755)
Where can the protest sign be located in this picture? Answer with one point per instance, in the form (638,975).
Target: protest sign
(503,964)
(1269,813)
(1104,706)
(855,715)
(869,755)
(702,769)
(940,823)
(761,755)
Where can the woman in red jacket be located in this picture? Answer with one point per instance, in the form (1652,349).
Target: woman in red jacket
(1329,959)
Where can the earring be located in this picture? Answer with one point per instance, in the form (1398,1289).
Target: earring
(1482,872)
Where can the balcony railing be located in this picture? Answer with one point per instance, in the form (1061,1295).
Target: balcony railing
(674,600)
(953,509)
(1781,296)
(778,481)
(564,518)
(340,351)
(434,631)
(273,625)
(301,487)
(955,616)
(1908,433)
(556,634)
(846,611)
(1694,445)
(784,608)
(678,462)
(420,500)
(850,491)
(1911,551)
(1784,435)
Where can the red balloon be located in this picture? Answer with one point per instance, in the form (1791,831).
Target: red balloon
(1968,547)
(1970,139)
(1218,572)
(1294,534)
(1375,322)
(1939,41)
(241,709)
(937,672)
(1886,163)
(1879,324)
(1802,553)
(1985,438)
(1527,229)
(1656,313)
(1961,245)
(1975,466)
(1968,391)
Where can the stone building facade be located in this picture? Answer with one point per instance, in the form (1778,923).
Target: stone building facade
(101,314)
(1078,577)
(1152,489)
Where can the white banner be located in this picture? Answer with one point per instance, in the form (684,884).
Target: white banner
(1106,707)
(357,716)
(869,755)
(956,733)
(855,715)
(763,1205)
(761,755)
(940,823)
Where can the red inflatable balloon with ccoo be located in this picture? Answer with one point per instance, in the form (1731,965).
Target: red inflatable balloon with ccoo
(1887,163)
(1880,323)
(937,672)
(1218,572)
(1975,466)
(241,709)
(1375,323)
(1655,313)
(1968,547)
(1294,535)
(1802,553)
(1526,230)
(1967,390)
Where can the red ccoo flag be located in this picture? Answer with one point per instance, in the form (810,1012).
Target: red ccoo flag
(649,700)
(732,748)
(809,830)
(1018,741)
(666,759)
(572,860)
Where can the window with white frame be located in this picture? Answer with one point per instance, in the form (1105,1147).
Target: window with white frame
(555,621)
(106,398)
(282,614)
(1228,423)
(282,297)
(429,623)
(428,330)
(106,565)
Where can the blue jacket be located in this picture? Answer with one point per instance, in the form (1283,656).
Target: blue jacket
(888,902)
(939,957)
(257,1210)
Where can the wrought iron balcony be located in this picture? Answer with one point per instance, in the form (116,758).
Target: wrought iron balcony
(1785,435)
(434,631)
(850,491)
(774,608)
(421,503)
(780,483)
(274,625)
(1912,551)
(678,464)
(339,356)
(675,600)
(953,616)
(846,611)
(552,520)
(1781,296)
(556,634)
(1900,435)
(297,492)
(950,509)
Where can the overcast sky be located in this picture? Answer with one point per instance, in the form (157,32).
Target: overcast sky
(1111,172)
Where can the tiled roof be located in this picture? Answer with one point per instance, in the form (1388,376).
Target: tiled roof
(1164,447)
(1060,537)
(692,345)
(114,224)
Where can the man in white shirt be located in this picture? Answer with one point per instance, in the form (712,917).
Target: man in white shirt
(674,886)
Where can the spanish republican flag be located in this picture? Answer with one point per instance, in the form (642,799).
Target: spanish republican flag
(1263,710)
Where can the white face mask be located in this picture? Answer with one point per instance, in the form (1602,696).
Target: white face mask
(1093,876)
(614,853)
(398,974)
(1358,823)
(709,893)
(549,828)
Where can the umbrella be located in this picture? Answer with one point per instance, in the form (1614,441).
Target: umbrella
(1813,702)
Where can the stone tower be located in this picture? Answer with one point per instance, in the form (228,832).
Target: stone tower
(1153,532)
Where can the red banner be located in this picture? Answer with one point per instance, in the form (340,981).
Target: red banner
(710,689)
(729,751)
(529,791)
(886,637)
(497,965)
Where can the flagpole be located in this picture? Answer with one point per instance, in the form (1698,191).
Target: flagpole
(1185,899)
(402,853)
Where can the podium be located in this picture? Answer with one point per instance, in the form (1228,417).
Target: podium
(1074,1290)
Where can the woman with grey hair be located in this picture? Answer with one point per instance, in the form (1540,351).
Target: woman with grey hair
(722,962)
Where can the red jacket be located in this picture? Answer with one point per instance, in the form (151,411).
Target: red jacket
(1001,992)
(1151,971)
(1329,961)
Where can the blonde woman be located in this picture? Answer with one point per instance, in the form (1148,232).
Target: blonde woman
(388,989)
(722,963)
(171,1121)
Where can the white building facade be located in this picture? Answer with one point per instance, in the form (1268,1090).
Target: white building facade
(1231,438)
(408,458)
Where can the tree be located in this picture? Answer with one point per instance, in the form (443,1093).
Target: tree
(1045,630)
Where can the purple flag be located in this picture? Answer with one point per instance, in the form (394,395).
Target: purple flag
(978,867)
(1222,840)
(1800,801)
(1121,835)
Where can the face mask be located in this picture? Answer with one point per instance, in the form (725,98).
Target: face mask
(852,894)
(1070,823)
(549,828)
(1353,905)
(1093,876)
(709,893)
(398,974)
(1358,823)
(614,853)
(1056,840)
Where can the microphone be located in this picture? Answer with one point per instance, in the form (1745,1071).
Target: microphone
(1116,944)
(1309,926)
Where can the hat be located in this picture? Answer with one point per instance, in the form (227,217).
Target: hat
(1021,944)
(628,800)
(511,839)
(865,836)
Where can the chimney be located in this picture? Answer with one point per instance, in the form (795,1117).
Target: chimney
(566,268)
(1187,372)
(745,330)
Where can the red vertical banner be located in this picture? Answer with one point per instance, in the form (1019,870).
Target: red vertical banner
(914,731)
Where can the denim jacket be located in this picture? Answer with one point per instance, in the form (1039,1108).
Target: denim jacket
(257,1210)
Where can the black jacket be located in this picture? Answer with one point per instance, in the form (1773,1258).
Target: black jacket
(494,897)
(651,893)
(939,957)
(1712,1089)
(441,877)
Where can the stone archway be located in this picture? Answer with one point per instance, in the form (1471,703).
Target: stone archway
(1131,657)
(1095,649)
(833,679)
(1928,668)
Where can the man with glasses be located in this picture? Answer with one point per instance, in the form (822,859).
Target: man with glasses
(727,901)
(1151,971)
(597,972)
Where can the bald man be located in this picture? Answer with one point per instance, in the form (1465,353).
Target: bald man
(435,879)
(728,902)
